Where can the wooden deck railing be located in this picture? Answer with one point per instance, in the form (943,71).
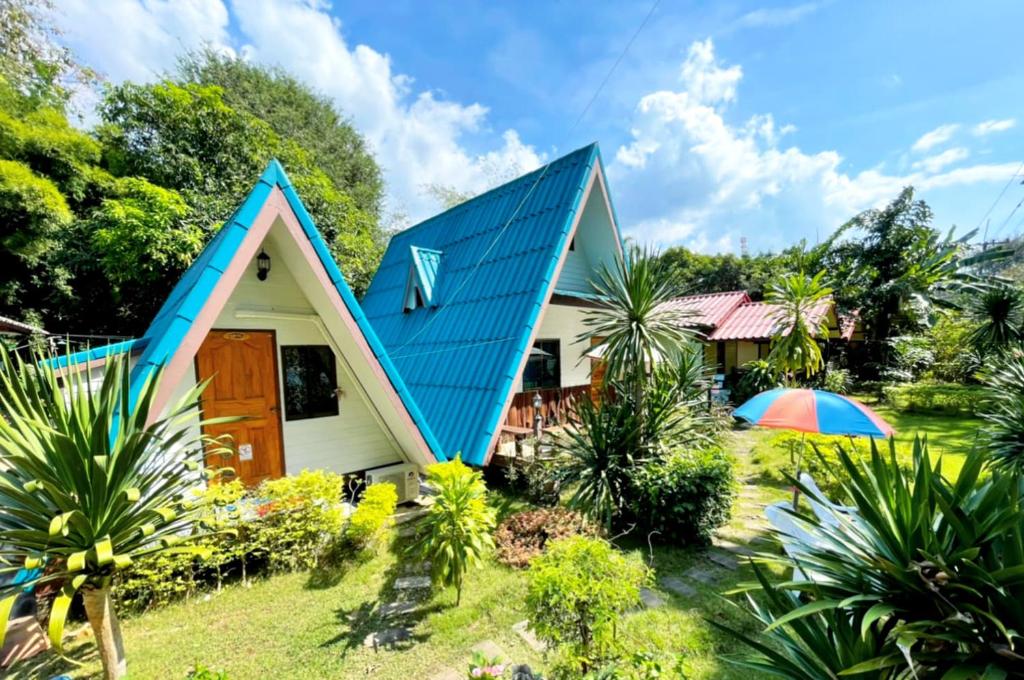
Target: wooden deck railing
(555,403)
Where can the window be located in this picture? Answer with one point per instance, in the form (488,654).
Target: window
(310,382)
(544,366)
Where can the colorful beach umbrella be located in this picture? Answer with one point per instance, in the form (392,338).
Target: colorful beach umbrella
(813,411)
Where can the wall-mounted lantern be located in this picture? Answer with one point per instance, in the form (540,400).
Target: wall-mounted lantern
(538,418)
(262,265)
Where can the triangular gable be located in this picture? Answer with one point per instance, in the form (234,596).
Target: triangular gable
(424,270)
(503,252)
(178,329)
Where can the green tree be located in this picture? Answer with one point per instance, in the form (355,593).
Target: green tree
(458,526)
(187,138)
(295,113)
(88,486)
(800,323)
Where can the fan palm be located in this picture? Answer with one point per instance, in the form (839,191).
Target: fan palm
(1003,412)
(90,482)
(799,323)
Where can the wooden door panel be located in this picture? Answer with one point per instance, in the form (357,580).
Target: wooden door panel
(242,368)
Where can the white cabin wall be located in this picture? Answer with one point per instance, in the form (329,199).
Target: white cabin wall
(565,323)
(351,441)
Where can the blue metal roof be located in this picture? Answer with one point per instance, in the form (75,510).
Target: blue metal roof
(501,249)
(172,323)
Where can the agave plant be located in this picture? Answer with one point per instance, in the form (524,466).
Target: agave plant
(90,482)
(934,568)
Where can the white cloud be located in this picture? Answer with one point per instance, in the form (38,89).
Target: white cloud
(989,126)
(777,16)
(418,136)
(941,160)
(695,178)
(939,135)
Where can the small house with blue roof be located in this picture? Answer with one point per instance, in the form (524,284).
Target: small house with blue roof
(481,307)
(265,314)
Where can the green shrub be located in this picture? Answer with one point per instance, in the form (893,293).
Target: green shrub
(373,516)
(577,591)
(300,517)
(757,376)
(682,498)
(524,535)
(201,672)
(910,357)
(1003,412)
(926,397)
(459,525)
(837,380)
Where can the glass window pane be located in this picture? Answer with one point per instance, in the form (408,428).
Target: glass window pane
(310,381)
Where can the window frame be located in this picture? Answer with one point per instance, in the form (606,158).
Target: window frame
(557,342)
(331,366)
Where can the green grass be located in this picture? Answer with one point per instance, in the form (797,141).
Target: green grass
(291,625)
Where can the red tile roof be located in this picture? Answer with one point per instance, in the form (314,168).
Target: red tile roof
(757,321)
(708,310)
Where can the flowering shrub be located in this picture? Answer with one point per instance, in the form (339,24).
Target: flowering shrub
(523,536)
(482,668)
(373,516)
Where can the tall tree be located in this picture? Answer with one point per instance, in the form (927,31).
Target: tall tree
(799,323)
(295,113)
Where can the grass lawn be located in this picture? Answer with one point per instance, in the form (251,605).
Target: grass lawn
(289,627)
(293,626)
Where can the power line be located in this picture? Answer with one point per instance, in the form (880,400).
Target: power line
(1009,217)
(998,198)
(533,186)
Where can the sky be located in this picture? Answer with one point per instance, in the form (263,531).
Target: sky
(724,125)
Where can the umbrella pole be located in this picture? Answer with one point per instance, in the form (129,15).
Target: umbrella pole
(799,459)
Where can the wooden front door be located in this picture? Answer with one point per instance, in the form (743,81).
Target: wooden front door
(243,365)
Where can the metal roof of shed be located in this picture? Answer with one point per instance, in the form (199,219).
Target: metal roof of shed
(501,251)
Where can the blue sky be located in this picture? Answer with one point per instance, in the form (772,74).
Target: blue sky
(725,121)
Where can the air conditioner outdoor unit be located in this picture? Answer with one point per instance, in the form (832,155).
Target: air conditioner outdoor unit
(404,476)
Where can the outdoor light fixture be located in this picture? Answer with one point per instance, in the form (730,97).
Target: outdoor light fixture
(262,265)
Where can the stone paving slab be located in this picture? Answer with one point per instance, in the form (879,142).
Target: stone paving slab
(412,582)
(398,608)
(490,649)
(522,629)
(723,559)
(678,586)
(387,637)
(733,547)
(701,574)
(651,599)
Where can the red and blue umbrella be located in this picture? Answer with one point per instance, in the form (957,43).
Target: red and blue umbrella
(813,411)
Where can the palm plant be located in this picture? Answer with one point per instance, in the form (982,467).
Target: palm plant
(89,483)
(1003,412)
(636,327)
(799,323)
(934,568)
(458,526)
(999,311)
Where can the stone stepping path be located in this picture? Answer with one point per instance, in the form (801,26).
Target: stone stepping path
(678,586)
(412,583)
(398,609)
(522,629)
(651,599)
(490,650)
(724,560)
(387,638)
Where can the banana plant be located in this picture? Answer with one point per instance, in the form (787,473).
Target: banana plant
(92,480)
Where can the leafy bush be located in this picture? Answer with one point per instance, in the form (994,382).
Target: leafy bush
(459,525)
(524,535)
(925,397)
(577,590)
(925,583)
(201,672)
(950,339)
(682,498)
(758,376)
(300,517)
(373,515)
(910,356)
(837,380)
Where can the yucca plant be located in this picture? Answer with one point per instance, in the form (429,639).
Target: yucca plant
(1003,412)
(91,481)
(999,312)
(933,566)
(459,525)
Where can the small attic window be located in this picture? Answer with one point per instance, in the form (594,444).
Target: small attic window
(421,285)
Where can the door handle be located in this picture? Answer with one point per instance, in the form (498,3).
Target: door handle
(273,409)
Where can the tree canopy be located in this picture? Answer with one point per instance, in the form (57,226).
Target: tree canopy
(97,225)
